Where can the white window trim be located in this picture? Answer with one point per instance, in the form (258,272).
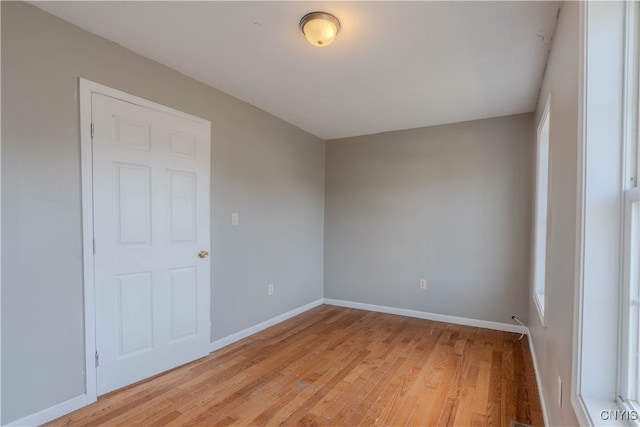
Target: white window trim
(628,367)
(589,406)
(629,312)
(541,304)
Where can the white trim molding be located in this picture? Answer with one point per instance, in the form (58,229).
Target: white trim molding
(52,412)
(81,401)
(599,223)
(87,88)
(78,402)
(86,167)
(458,321)
(536,370)
(577,403)
(505,327)
(430,316)
(539,255)
(230,339)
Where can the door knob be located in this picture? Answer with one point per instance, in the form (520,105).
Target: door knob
(203,254)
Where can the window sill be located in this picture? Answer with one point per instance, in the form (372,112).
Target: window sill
(594,411)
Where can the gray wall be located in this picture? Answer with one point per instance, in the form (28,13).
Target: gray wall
(450,203)
(553,343)
(263,168)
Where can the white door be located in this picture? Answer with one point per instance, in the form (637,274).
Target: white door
(151,222)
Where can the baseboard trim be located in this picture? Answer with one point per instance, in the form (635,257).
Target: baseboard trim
(230,339)
(51,413)
(545,416)
(429,316)
(78,402)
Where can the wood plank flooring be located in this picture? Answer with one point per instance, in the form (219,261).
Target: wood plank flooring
(336,366)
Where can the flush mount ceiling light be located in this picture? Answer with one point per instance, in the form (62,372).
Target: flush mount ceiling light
(320,28)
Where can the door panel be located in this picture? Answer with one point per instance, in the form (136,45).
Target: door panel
(151,219)
(184,294)
(135,326)
(133,203)
(182,195)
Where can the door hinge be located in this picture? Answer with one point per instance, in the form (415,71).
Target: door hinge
(94,246)
(92,130)
(97,359)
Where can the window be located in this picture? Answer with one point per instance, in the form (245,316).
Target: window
(630,345)
(541,209)
(605,384)
(629,371)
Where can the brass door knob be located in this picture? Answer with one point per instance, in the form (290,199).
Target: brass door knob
(203,254)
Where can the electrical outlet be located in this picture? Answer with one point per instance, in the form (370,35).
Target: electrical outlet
(559,391)
(270,289)
(423,284)
(235,220)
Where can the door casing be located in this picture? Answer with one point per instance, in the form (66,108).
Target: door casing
(86,89)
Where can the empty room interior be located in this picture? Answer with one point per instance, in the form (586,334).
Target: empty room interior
(320,213)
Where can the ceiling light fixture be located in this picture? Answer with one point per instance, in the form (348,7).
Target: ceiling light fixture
(320,28)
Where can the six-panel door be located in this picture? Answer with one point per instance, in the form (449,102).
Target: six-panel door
(151,220)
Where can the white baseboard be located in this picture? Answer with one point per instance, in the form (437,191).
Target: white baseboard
(460,321)
(71,405)
(222,342)
(429,316)
(543,404)
(51,413)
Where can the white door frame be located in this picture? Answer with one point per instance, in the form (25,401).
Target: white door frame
(87,88)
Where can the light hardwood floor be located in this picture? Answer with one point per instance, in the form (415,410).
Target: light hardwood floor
(339,367)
